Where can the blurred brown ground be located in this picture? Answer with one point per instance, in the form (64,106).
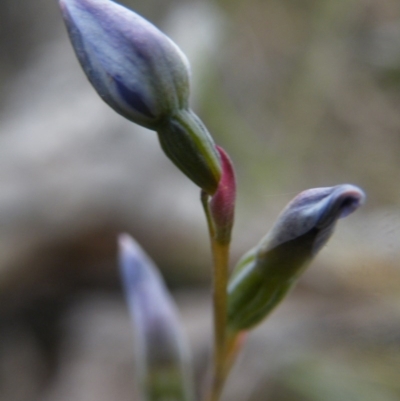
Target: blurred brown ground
(301,94)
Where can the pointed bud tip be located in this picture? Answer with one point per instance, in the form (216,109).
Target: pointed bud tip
(322,206)
(126,243)
(350,199)
(132,257)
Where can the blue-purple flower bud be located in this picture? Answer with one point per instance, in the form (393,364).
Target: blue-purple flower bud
(144,76)
(133,66)
(266,273)
(163,369)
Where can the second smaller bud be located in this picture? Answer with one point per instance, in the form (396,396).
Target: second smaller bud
(266,273)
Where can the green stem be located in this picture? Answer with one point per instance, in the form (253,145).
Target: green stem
(233,344)
(220,254)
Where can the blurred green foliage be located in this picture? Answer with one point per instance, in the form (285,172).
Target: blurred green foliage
(328,378)
(305,94)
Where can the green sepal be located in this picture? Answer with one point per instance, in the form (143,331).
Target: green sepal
(260,282)
(188,144)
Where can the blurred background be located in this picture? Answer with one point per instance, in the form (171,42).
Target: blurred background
(301,94)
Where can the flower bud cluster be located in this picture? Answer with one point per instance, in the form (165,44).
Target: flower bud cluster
(144,76)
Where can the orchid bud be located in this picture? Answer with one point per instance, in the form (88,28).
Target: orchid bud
(144,76)
(163,369)
(266,273)
(133,66)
